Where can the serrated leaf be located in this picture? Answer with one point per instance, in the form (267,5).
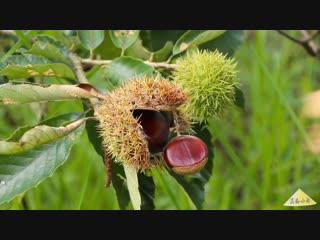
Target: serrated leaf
(47,50)
(194,184)
(27,93)
(227,42)
(91,39)
(239,99)
(25,170)
(36,136)
(193,38)
(124,38)
(137,50)
(37,70)
(23,60)
(133,185)
(123,68)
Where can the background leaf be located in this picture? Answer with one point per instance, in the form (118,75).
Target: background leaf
(107,50)
(137,50)
(147,191)
(194,184)
(91,39)
(124,38)
(227,42)
(23,60)
(36,136)
(123,68)
(27,93)
(47,50)
(239,99)
(38,70)
(194,38)
(119,184)
(25,170)
(154,40)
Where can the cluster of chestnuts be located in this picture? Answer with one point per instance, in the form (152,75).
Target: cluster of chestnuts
(184,154)
(136,118)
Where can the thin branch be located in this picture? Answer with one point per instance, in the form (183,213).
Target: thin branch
(310,46)
(306,42)
(289,37)
(312,36)
(80,75)
(76,62)
(90,62)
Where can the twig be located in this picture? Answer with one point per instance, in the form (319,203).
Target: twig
(289,37)
(90,62)
(309,44)
(76,62)
(80,75)
(306,42)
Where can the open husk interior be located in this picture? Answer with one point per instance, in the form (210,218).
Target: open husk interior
(122,134)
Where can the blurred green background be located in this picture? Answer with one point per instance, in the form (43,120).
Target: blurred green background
(260,158)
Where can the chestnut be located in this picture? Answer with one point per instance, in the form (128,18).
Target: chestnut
(186,154)
(155,127)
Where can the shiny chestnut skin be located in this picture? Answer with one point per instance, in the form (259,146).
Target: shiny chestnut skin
(155,127)
(186,154)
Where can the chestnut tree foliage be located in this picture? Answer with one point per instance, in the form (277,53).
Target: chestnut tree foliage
(38,67)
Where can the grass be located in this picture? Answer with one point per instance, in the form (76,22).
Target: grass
(259,156)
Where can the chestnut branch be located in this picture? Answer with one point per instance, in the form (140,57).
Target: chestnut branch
(91,62)
(306,41)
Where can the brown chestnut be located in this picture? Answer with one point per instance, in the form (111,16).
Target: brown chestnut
(155,127)
(186,154)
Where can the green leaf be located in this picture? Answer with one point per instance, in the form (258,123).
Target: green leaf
(92,131)
(25,170)
(119,184)
(27,93)
(147,191)
(118,175)
(156,39)
(122,69)
(38,70)
(227,42)
(124,38)
(107,50)
(47,50)
(23,60)
(137,50)
(239,99)
(133,185)
(36,136)
(193,38)
(91,39)
(194,184)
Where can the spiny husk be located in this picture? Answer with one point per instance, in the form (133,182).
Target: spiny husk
(121,132)
(209,79)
